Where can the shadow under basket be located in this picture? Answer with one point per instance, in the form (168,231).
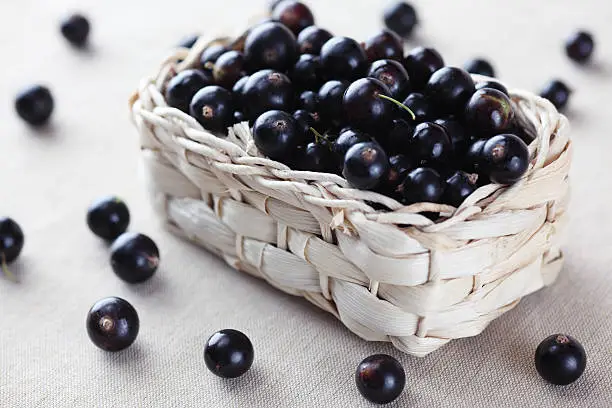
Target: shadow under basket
(388,276)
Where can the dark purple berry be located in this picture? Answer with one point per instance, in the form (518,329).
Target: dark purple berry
(228,69)
(380,378)
(11,241)
(317,157)
(458,187)
(579,46)
(556,92)
(35,105)
(75,29)
(184,86)
(384,45)
(108,217)
(306,74)
(343,58)
(277,135)
(239,117)
(473,160)
(270,45)
(188,41)
(112,324)
(400,166)
(480,66)
(211,54)
(560,359)
(330,100)
(365,165)
(420,64)
(294,14)
(393,75)
(267,90)
(456,132)
(238,90)
(421,106)
(306,121)
(308,100)
(489,112)
(228,353)
(399,138)
(213,107)
(401,18)
(431,145)
(423,185)
(450,89)
(347,139)
(311,39)
(363,107)
(505,158)
(134,257)
(494,85)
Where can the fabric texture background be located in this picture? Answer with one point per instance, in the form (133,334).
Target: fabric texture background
(304,357)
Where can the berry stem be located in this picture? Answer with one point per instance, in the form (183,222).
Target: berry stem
(398,103)
(318,136)
(6,270)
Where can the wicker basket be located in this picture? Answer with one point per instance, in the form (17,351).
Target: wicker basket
(388,276)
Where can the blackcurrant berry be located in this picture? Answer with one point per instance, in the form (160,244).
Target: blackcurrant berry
(108,217)
(188,41)
(385,44)
(308,100)
(134,257)
(277,135)
(556,92)
(420,64)
(239,117)
(306,74)
(330,100)
(401,18)
(211,54)
(317,157)
(480,66)
(112,324)
(35,105)
(400,166)
(560,359)
(505,158)
(380,378)
(213,107)
(11,240)
(347,139)
(364,109)
(399,138)
(343,58)
(228,353)
(270,45)
(311,40)
(579,46)
(450,89)
(458,187)
(489,112)
(294,14)
(184,86)
(421,106)
(229,68)
(75,29)
(493,85)
(457,134)
(267,90)
(431,145)
(306,121)
(473,160)
(365,165)
(393,75)
(422,185)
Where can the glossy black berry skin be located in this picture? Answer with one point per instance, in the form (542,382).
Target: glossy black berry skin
(11,240)
(134,257)
(480,66)
(556,92)
(311,40)
(330,100)
(308,100)
(229,68)
(307,120)
(579,47)
(228,353)
(505,158)
(365,165)
(306,74)
(75,29)
(400,166)
(494,85)
(364,109)
(458,187)
(457,134)
(421,63)
(317,157)
(239,117)
(399,138)
(267,90)
(423,185)
(449,89)
(294,14)
(431,145)
(380,378)
(384,45)
(213,107)
(401,18)
(560,359)
(277,135)
(211,54)
(393,75)
(112,324)
(343,58)
(489,112)
(347,139)
(270,45)
(35,105)
(188,41)
(421,106)
(184,86)
(473,160)
(108,217)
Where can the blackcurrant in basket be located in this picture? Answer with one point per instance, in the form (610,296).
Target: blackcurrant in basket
(188,41)
(211,54)
(480,66)
(365,165)
(75,28)
(306,73)
(399,138)
(112,324)
(557,92)
(228,69)
(11,241)
(311,39)
(560,359)
(306,121)
(489,112)
(393,75)
(384,45)
(423,185)
(457,134)
(239,117)
(421,106)
(294,14)
(184,86)
(270,45)
(458,187)
(363,107)
(228,353)
(134,257)
(420,64)
(308,100)
(401,18)
(347,139)
(450,88)
(473,160)
(238,90)
(330,100)
(267,90)
(277,135)
(213,107)
(108,217)
(317,157)
(400,166)
(579,46)
(494,85)
(431,145)
(343,58)
(505,158)
(35,105)
(380,378)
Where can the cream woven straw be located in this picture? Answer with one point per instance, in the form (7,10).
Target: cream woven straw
(388,276)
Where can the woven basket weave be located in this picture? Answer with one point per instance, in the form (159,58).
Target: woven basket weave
(388,276)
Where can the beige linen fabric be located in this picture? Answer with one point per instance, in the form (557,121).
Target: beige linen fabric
(304,357)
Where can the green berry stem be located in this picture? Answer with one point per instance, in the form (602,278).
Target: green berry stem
(318,136)
(398,103)
(6,270)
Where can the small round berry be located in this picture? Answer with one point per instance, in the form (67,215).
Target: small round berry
(311,40)
(330,100)
(343,58)
(458,187)
(239,117)
(494,85)
(294,14)
(505,158)
(307,120)
(457,134)
(579,46)
(473,160)
(398,140)
(35,105)
(306,73)
(229,68)
(213,107)
(431,145)
(134,257)
(317,157)
(238,91)
(385,44)
(400,166)
(108,217)
(277,135)
(11,240)
(228,353)
(380,378)
(556,92)
(348,138)
(75,29)
(184,86)
(211,54)
(480,66)
(363,107)
(401,18)
(112,324)
(420,64)
(393,75)
(188,41)
(270,45)
(308,100)
(365,165)
(489,112)
(423,185)
(421,106)
(267,90)
(560,359)
(450,89)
